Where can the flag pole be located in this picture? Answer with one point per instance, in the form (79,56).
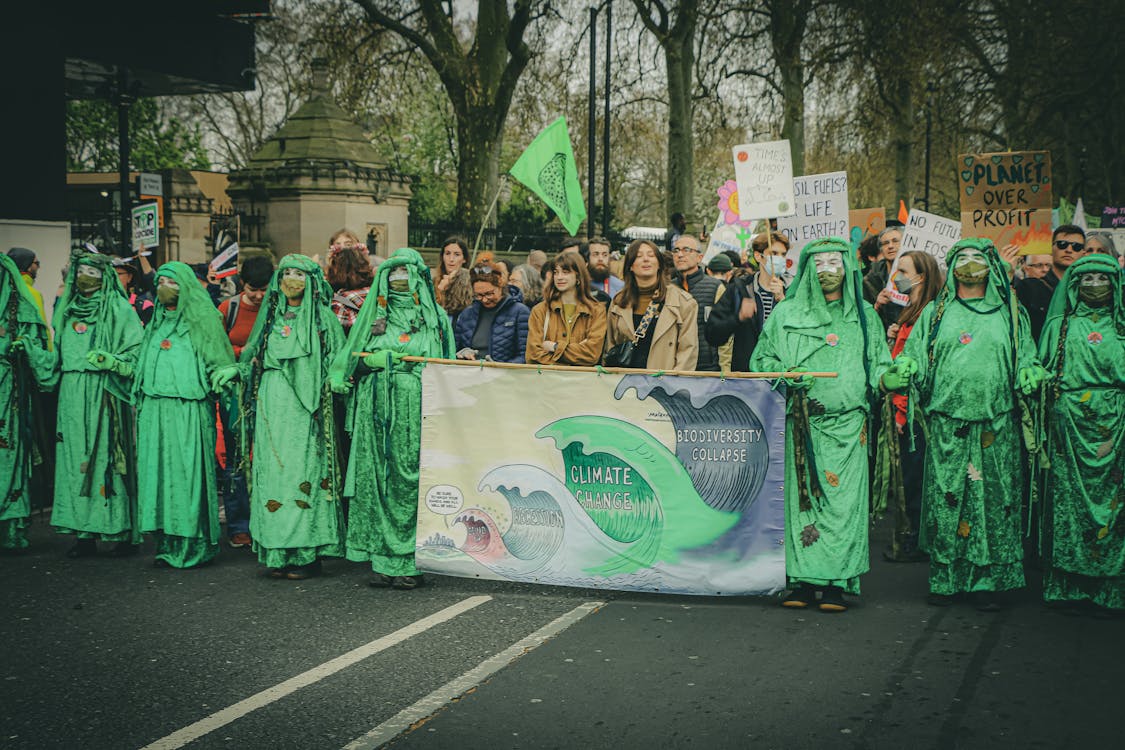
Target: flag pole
(484,221)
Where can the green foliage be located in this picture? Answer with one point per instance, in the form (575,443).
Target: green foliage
(156,141)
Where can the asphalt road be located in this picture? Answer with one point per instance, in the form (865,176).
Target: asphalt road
(106,653)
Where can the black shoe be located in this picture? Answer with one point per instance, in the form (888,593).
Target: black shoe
(832,600)
(125,549)
(381,581)
(985,601)
(83,548)
(407,583)
(939,600)
(800,597)
(301,572)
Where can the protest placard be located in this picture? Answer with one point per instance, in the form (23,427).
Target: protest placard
(764,174)
(146,227)
(927,233)
(868,221)
(1113,217)
(1007,198)
(821,210)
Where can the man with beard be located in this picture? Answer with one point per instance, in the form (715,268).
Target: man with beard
(597,262)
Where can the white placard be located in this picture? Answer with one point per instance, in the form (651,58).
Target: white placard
(146,227)
(821,210)
(927,233)
(764,173)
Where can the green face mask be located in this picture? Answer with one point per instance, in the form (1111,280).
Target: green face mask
(167,295)
(399,280)
(830,281)
(973,272)
(1094,289)
(87,284)
(293,288)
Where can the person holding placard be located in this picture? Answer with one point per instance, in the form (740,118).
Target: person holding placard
(1068,244)
(824,325)
(875,282)
(975,356)
(1083,529)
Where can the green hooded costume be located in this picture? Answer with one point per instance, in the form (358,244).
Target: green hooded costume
(183,352)
(97,338)
(295,510)
(24,367)
(385,412)
(970,353)
(1083,528)
(826,437)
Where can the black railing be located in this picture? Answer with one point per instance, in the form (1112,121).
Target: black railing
(500,238)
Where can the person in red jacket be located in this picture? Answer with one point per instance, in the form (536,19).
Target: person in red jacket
(239,313)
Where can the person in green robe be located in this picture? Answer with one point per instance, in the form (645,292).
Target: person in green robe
(296,516)
(400,318)
(975,356)
(1083,348)
(825,325)
(27,364)
(97,335)
(185,358)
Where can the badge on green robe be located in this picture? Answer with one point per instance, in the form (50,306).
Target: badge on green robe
(80,327)
(965,338)
(286,330)
(832,339)
(403,338)
(165,344)
(1094,338)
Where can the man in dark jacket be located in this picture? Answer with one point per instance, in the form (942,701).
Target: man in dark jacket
(1068,244)
(739,312)
(686,256)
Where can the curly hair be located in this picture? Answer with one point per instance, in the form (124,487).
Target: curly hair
(348,268)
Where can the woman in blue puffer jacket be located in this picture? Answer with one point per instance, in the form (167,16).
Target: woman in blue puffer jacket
(494,327)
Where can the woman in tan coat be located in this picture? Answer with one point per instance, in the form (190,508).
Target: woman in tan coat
(666,335)
(568,326)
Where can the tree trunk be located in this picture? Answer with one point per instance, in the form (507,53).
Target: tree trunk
(903,140)
(478,149)
(787,31)
(679,57)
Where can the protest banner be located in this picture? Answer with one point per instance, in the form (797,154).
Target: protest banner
(821,210)
(764,175)
(927,233)
(1006,197)
(869,221)
(146,227)
(616,481)
(1113,217)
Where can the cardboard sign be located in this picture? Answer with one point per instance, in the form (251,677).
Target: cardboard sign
(224,244)
(869,221)
(1007,198)
(927,233)
(821,210)
(146,226)
(1113,217)
(764,174)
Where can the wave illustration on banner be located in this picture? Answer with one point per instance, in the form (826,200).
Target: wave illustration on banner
(630,511)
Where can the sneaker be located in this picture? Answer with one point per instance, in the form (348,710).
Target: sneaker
(407,583)
(800,597)
(240,540)
(939,600)
(832,600)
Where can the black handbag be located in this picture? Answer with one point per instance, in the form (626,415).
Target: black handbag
(621,355)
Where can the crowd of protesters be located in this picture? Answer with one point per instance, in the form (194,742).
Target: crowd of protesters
(974,405)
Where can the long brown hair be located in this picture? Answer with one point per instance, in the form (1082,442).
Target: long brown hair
(569,262)
(630,294)
(441,270)
(348,268)
(932,281)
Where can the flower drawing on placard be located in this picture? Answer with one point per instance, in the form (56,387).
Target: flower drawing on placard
(728,204)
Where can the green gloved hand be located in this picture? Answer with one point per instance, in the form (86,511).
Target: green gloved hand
(894,380)
(223,377)
(906,366)
(339,386)
(17,345)
(1030,378)
(378,359)
(103,360)
(800,383)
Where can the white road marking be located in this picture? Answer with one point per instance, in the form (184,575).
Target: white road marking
(218,719)
(448,692)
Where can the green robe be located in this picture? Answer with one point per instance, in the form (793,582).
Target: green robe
(974,465)
(1083,529)
(826,538)
(295,511)
(20,374)
(176,414)
(95,491)
(385,415)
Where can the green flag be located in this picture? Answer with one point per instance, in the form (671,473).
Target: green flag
(547,168)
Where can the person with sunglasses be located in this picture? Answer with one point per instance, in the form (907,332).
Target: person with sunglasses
(494,327)
(1068,244)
